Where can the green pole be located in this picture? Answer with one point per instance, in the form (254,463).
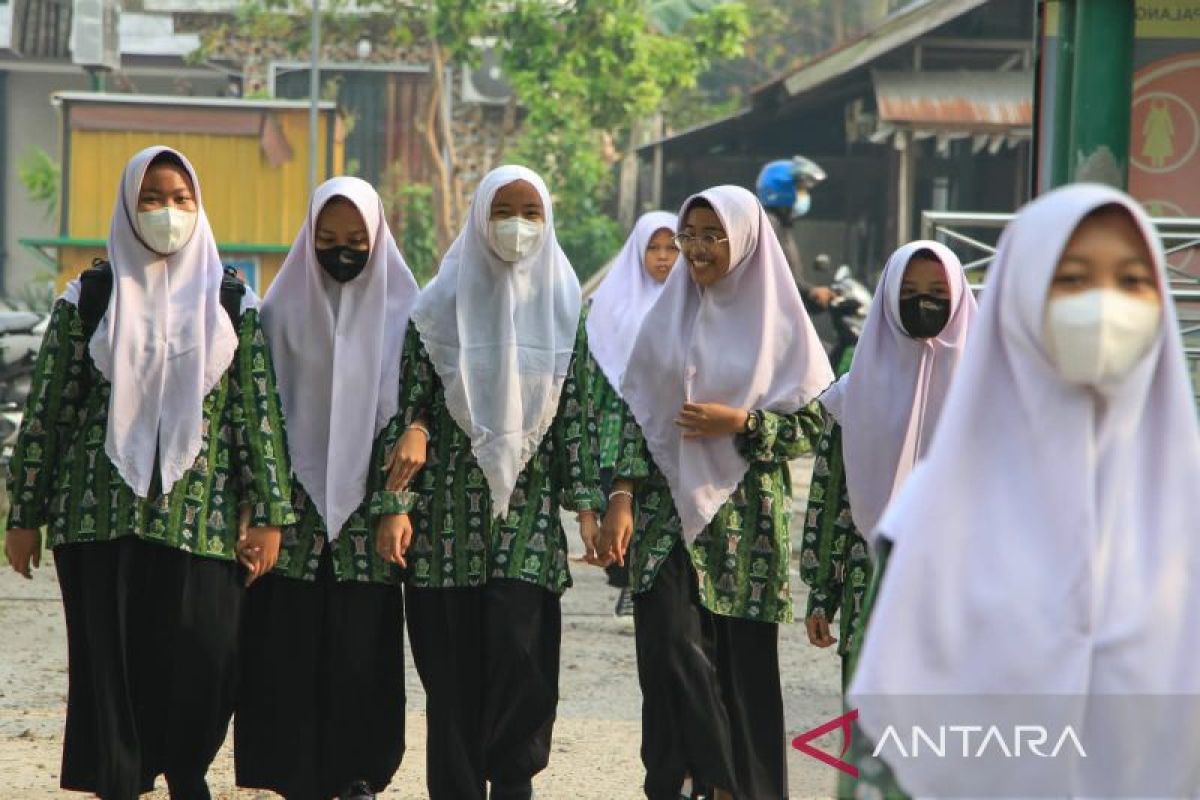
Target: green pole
(1060,152)
(1101,91)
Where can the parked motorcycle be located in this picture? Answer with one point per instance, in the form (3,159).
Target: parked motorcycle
(20,338)
(848,313)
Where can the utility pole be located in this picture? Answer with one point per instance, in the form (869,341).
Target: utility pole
(314,94)
(1093,92)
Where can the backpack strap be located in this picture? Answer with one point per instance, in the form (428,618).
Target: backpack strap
(95,288)
(96,285)
(233,291)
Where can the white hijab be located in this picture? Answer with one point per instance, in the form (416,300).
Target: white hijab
(1043,548)
(501,337)
(337,350)
(745,341)
(164,342)
(623,298)
(889,402)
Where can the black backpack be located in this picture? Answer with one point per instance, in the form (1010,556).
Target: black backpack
(95,289)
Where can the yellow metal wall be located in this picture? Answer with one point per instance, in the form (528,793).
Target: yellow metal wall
(246,199)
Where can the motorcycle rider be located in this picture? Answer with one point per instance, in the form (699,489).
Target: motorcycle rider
(784,189)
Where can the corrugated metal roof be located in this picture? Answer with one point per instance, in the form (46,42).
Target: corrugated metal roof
(957,98)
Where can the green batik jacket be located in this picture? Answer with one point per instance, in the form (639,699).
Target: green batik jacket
(607,411)
(834,560)
(353,554)
(875,778)
(456,541)
(743,557)
(60,477)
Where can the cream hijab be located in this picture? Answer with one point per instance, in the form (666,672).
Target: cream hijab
(1047,550)
(501,337)
(889,402)
(337,350)
(164,342)
(745,341)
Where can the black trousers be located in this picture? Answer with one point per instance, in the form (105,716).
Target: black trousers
(152,642)
(488,659)
(712,706)
(321,702)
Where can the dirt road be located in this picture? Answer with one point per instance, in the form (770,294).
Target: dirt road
(596,738)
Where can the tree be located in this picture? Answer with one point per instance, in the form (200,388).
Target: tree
(585,73)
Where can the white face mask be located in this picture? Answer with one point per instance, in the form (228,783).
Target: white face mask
(165,230)
(1095,338)
(515,238)
(802,205)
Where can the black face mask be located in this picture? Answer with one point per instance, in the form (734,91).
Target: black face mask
(343,263)
(924,316)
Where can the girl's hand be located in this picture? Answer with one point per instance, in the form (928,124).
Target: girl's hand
(617,529)
(23,547)
(392,538)
(407,457)
(818,631)
(258,550)
(589,532)
(699,420)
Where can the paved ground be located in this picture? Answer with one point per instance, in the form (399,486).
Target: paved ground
(596,738)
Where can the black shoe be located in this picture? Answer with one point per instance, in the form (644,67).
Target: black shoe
(523,791)
(624,603)
(358,790)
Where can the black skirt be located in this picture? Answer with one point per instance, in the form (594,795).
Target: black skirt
(712,705)
(152,640)
(489,661)
(321,701)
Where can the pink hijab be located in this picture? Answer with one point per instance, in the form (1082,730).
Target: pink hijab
(889,402)
(745,341)
(1046,548)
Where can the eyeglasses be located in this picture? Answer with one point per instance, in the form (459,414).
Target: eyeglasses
(709,240)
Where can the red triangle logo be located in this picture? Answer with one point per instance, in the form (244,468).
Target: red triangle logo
(844,722)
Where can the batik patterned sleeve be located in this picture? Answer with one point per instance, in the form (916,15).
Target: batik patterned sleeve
(826,528)
(260,449)
(576,455)
(605,413)
(782,437)
(633,456)
(51,412)
(414,389)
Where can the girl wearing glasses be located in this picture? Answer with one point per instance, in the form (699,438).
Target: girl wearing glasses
(719,397)
(617,309)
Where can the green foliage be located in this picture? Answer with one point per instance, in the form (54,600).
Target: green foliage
(584,72)
(42,176)
(418,234)
(584,75)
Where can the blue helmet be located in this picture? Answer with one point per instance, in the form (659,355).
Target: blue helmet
(776,184)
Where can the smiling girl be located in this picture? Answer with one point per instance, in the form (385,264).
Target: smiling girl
(719,397)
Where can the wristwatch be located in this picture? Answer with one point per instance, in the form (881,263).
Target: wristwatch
(752,422)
